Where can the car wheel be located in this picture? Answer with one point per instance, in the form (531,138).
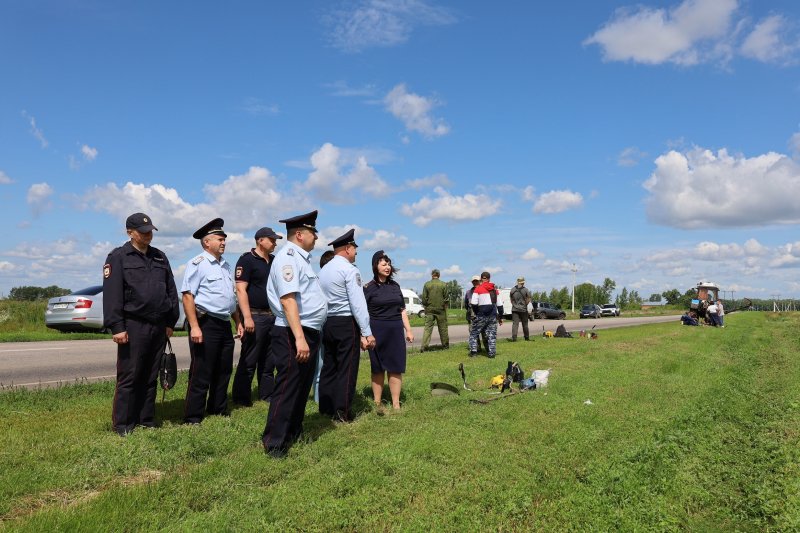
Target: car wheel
(562,316)
(542,316)
(421,314)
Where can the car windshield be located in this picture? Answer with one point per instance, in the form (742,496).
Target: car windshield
(90,291)
(609,306)
(588,307)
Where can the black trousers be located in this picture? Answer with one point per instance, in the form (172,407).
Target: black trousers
(517,317)
(292,386)
(341,338)
(210,371)
(255,359)
(137,373)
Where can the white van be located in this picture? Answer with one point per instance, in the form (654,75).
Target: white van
(413,303)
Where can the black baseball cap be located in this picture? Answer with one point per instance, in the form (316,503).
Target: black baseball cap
(140,222)
(267,232)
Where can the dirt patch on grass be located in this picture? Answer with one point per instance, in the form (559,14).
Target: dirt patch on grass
(32,504)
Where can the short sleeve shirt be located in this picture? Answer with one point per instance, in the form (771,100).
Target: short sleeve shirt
(210,282)
(291,272)
(341,283)
(384,300)
(254,269)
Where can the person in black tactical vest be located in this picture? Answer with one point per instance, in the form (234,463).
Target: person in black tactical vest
(140,308)
(252,272)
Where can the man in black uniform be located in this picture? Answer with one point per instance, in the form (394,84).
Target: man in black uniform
(140,307)
(252,271)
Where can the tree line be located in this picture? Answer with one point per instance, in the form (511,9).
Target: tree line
(30,293)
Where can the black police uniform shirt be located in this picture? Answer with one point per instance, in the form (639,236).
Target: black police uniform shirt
(254,269)
(384,300)
(140,286)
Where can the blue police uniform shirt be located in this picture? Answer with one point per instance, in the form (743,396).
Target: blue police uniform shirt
(291,272)
(341,283)
(210,282)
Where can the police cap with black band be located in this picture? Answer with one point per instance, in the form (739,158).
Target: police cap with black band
(140,222)
(268,233)
(212,228)
(306,221)
(344,240)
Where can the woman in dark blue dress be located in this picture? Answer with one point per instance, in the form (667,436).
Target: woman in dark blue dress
(390,327)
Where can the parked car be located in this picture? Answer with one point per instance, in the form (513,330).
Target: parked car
(79,311)
(591,311)
(610,310)
(413,303)
(547,310)
(83,311)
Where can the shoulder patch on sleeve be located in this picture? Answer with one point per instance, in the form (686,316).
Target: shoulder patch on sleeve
(107,270)
(197,260)
(288,272)
(290,251)
(358,278)
(239,272)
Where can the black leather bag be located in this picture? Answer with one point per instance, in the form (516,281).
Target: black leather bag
(168,372)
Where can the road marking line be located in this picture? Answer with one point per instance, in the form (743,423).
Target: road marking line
(31,350)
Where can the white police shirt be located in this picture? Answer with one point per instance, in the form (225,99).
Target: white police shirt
(291,272)
(341,283)
(210,282)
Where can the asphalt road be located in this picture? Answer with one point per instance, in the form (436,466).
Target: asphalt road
(47,364)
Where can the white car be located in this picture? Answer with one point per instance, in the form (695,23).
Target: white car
(413,303)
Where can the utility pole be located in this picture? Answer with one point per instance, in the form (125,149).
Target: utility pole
(574,269)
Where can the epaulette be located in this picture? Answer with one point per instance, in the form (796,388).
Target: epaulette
(370,282)
(197,260)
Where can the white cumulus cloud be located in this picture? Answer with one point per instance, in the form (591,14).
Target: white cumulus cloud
(532,254)
(415,112)
(386,240)
(452,270)
(630,157)
(417,262)
(557,202)
(685,35)
(445,206)
(38,198)
(429,181)
(333,183)
(769,41)
(700,188)
(5,179)
(89,153)
(6,266)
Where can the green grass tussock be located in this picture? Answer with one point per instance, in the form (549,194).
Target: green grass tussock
(685,429)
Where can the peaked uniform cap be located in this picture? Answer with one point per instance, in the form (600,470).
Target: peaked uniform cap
(140,222)
(344,240)
(307,221)
(212,228)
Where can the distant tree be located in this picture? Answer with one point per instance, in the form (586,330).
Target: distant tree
(604,292)
(623,298)
(564,298)
(672,296)
(585,293)
(30,293)
(635,299)
(454,294)
(655,297)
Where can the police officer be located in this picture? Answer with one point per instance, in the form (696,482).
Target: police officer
(346,329)
(209,303)
(252,271)
(296,299)
(140,307)
(434,298)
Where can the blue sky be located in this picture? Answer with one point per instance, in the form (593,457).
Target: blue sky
(654,143)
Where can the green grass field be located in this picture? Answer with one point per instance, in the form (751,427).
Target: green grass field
(688,429)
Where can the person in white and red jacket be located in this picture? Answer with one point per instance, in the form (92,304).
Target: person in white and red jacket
(488,313)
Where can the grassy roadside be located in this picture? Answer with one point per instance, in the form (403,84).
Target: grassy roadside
(688,428)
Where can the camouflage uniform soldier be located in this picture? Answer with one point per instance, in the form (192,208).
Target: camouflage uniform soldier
(434,299)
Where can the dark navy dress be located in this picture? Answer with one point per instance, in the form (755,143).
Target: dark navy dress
(385,304)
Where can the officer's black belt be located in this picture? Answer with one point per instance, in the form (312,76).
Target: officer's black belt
(256,311)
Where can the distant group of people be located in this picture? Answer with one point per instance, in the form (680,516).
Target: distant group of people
(285,313)
(714,315)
